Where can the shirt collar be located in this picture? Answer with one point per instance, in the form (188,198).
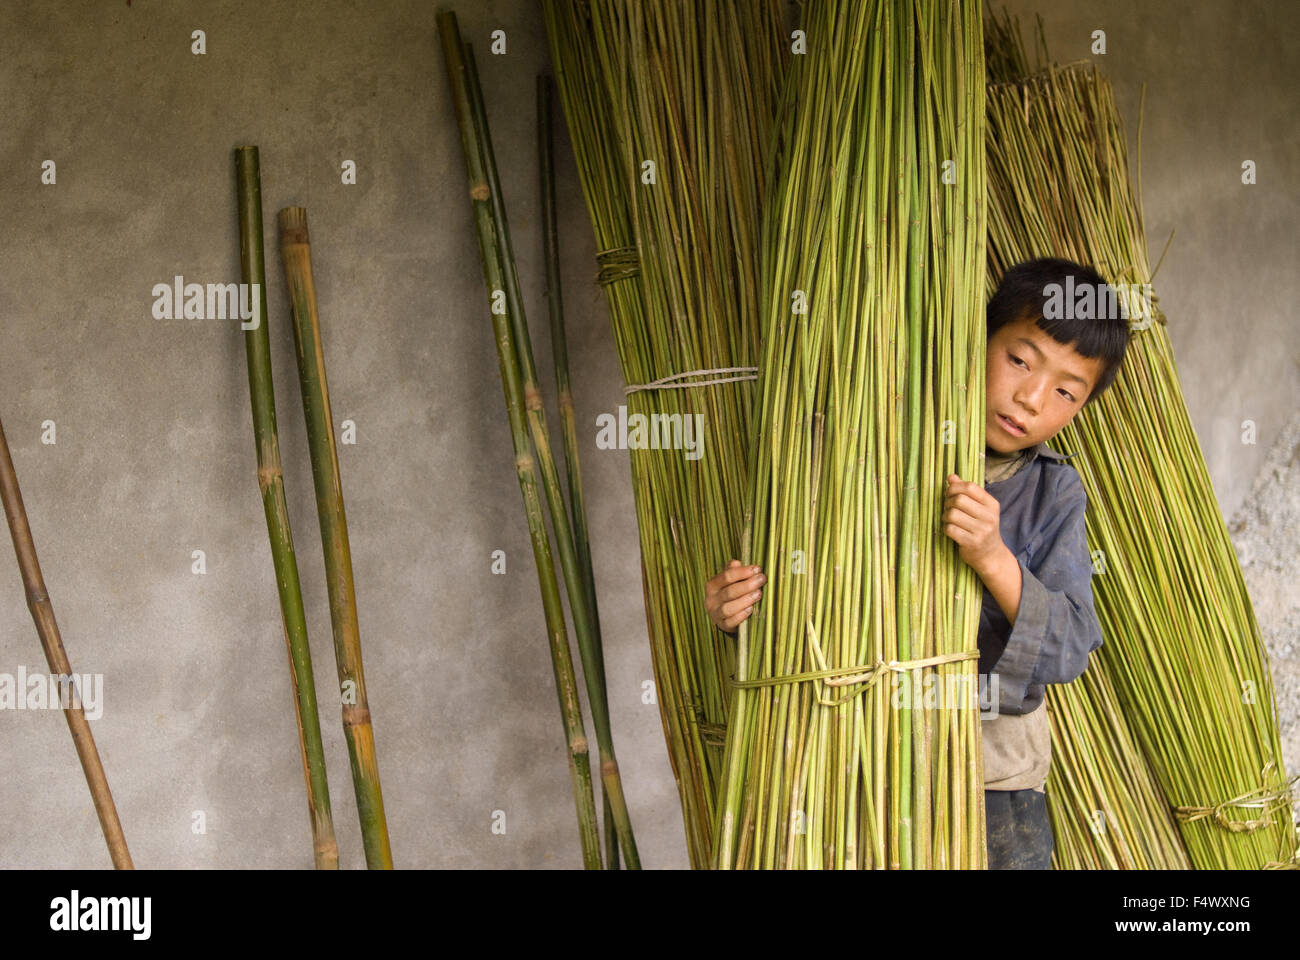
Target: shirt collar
(1031,454)
(1041,449)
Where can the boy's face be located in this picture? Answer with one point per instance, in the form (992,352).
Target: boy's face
(1037,382)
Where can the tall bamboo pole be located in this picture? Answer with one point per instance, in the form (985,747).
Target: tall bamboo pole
(593,661)
(42,610)
(270,479)
(295,251)
(525,466)
(564,396)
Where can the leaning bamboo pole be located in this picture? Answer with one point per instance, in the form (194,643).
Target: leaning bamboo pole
(580,608)
(490,251)
(564,398)
(47,628)
(295,252)
(1182,647)
(270,480)
(871,393)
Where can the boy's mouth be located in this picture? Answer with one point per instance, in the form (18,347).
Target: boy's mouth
(1011,426)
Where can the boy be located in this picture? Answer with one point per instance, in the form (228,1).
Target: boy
(1022,534)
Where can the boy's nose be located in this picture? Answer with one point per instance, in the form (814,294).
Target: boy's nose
(1029,401)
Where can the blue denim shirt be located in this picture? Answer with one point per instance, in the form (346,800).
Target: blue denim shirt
(1042,508)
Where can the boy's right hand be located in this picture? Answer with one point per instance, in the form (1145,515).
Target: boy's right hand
(729,597)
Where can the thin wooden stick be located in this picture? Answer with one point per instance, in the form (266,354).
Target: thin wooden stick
(270,479)
(38,602)
(295,251)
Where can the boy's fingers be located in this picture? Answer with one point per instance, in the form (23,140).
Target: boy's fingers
(733,622)
(954,501)
(742,587)
(732,572)
(740,571)
(743,602)
(960,521)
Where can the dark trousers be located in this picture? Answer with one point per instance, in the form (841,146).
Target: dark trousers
(1018,829)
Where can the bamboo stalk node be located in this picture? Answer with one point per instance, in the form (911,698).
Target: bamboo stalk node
(267,475)
(355,715)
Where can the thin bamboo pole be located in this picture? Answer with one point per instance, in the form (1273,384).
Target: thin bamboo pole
(564,397)
(295,251)
(525,466)
(580,608)
(42,610)
(270,480)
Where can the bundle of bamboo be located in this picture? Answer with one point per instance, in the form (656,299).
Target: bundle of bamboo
(1182,649)
(669,108)
(871,394)
(1108,812)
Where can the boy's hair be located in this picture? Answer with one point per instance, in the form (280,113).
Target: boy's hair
(1025,292)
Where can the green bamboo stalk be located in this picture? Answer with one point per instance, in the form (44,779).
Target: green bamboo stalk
(270,479)
(295,251)
(47,629)
(525,465)
(564,398)
(580,608)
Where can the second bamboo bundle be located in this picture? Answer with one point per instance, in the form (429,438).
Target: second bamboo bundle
(1182,648)
(872,393)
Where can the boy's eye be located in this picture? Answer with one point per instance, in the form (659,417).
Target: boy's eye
(1065,393)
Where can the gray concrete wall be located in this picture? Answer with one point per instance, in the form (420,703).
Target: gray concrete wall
(154,455)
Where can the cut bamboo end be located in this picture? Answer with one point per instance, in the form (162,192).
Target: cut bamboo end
(293,225)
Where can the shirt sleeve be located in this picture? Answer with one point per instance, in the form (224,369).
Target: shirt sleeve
(1056,626)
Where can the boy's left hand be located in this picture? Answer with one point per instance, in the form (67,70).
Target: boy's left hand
(972,519)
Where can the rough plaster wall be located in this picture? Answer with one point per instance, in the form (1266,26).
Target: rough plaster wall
(1266,532)
(155,457)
